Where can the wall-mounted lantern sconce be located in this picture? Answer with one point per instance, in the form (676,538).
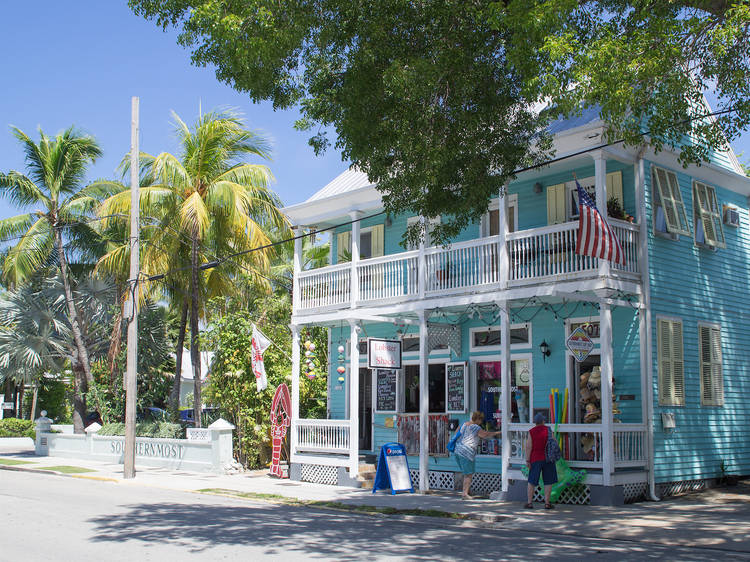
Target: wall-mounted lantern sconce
(544,348)
(537,187)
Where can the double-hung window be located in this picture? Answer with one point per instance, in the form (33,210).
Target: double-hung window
(709,349)
(669,209)
(671,362)
(706,215)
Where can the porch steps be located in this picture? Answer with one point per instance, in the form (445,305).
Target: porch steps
(366,475)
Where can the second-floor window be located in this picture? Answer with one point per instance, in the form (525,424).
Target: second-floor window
(706,216)
(669,210)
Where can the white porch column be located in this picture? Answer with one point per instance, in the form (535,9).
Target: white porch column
(353,398)
(295,388)
(505,390)
(605,344)
(600,177)
(355,260)
(297,267)
(422,262)
(424,404)
(503,263)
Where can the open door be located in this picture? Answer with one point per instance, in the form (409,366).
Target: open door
(365,409)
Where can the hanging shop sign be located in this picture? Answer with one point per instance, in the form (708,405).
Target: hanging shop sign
(393,470)
(386,389)
(383,354)
(455,388)
(579,344)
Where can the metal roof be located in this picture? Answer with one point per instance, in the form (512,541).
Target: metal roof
(349,180)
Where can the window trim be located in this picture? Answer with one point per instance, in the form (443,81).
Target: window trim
(718,399)
(703,215)
(428,239)
(432,361)
(677,400)
(481,348)
(678,207)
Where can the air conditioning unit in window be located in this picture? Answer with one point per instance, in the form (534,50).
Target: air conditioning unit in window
(731,216)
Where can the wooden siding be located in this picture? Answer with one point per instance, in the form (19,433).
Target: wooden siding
(700,285)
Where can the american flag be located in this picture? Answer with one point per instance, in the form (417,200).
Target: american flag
(595,237)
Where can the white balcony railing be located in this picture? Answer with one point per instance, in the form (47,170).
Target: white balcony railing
(460,266)
(629,444)
(322,436)
(328,286)
(388,277)
(534,256)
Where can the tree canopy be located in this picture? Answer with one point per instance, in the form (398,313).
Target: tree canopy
(468,77)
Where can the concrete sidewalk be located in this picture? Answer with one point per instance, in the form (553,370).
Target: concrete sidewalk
(717,518)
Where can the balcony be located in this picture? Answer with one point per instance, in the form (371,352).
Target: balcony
(539,255)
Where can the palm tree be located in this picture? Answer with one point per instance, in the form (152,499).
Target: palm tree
(213,203)
(56,168)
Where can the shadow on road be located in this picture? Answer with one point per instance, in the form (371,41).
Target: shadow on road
(277,530)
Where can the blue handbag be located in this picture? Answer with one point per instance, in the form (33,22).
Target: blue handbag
(451,446)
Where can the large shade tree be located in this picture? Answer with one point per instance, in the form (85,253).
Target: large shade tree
(437,101)
(207,203)
(53,187)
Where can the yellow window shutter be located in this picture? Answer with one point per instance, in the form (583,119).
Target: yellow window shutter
(678,364)
(377,237)
(556,204)
(614,187)
(671,200)
(343,246)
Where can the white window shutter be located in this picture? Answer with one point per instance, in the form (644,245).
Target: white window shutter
(614,187)
(712,383)
(343,246)
(556,204)
(671,201)
(671,363)
(377,237)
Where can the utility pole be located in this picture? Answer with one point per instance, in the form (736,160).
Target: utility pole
(131,389)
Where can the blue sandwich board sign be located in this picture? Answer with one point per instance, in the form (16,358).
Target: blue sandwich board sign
(393,470)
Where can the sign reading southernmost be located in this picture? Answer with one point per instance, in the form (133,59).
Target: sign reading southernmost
(383,354)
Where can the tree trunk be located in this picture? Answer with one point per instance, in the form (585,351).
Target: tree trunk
(75,324)
(194,346)
(174,397)
(115,342)
(80,387)
(33,401)
(19,398)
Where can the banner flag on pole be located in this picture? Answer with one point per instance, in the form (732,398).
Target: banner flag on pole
(259,344)
(595,237)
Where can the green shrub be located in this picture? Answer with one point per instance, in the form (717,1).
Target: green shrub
(163,430)
(14,427)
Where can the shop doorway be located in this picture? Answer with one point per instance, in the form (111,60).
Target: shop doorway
(365,409)
(585,406)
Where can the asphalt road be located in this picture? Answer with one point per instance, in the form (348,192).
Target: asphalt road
(54,518)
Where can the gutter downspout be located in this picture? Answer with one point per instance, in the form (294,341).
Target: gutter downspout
(647,363)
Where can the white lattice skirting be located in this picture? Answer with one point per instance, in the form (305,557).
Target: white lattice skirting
(319,474)
(578,494)
(483,484)
(674,488)
(634,492)
(437,479)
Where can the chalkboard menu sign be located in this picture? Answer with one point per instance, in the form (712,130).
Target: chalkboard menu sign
(386,385)
(455,387)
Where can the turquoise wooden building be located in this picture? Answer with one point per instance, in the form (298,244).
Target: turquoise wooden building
(660,402)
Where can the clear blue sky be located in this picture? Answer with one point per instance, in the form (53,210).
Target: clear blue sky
(80,62)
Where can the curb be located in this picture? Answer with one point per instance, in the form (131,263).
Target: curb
(35,470)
